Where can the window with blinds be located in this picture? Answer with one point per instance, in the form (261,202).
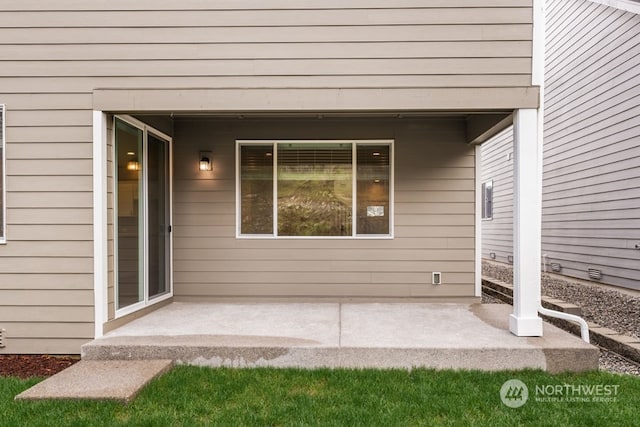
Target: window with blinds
(314,188)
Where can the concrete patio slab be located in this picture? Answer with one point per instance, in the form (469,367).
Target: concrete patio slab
(310,335)
(119,380)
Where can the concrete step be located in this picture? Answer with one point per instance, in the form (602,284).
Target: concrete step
(609,339)
(119,380)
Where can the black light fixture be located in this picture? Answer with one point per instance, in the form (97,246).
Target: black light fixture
(204,163)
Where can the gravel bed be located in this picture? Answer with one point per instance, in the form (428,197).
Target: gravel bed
(612,362)
(607,307)
(488,299)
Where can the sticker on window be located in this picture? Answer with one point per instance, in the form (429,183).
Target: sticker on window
(375,210)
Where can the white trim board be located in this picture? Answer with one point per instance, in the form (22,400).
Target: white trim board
(100,248)
(478,222)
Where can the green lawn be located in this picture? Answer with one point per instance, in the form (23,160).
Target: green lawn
(192,396)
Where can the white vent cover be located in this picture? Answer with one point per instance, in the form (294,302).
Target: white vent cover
(436,278)
(2,331)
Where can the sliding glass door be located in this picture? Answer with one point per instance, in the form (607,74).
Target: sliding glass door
(158,215)
(143,213)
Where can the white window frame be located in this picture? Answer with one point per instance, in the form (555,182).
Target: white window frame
(355,143)
(483,206)
(3,236)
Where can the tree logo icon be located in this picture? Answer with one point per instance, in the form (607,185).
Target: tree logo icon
(514,393)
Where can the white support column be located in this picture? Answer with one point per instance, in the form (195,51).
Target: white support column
(527,224)
(99,221)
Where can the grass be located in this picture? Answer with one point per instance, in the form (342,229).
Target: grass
(192,396)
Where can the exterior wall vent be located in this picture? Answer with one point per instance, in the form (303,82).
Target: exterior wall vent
(492,255)
(510,259)
(436,278)
(2,335)
(595,274)
(555,266)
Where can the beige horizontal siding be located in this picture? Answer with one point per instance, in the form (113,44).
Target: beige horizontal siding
(193,292)
(30,298)
(34,118)
(434,219)
(30,100)
(126,5)
(50,216)
(346,33)
(69,167)
(26,280)
(49,182)
(47,232)
(49,134)
(44,330)
(266,17)
(79,84)
(43,150)
(231,243)
(47,199)
(269,67)
(304,256)
(294,278)
(236,51)
(52,249)
(59,59)
(65,264)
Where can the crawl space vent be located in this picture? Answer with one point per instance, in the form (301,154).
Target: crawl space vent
(555,266)
(595,274)
(2,331)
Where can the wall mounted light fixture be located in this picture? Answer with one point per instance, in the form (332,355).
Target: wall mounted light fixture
(204,163)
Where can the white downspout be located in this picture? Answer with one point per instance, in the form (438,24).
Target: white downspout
(584,327)
(537,79)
